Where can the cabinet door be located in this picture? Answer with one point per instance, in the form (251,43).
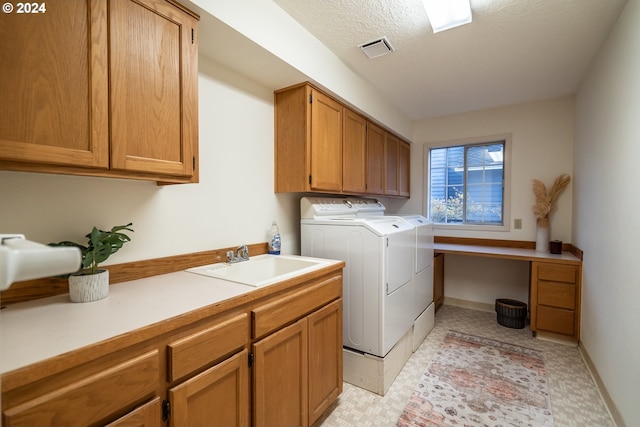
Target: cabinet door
(404,169)
(147,415)
(152,67)
(94,397)
(326,143)
(391,160)
(280,379)
(325,358)
(438,280)
(375,159)
(354,151)
(218,396)
(54,86)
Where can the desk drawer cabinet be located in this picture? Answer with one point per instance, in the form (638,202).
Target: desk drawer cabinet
(555,298)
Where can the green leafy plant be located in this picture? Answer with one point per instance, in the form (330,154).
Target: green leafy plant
(100,246)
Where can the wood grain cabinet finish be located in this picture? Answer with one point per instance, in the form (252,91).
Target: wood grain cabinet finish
(376,164)
(298,368)
(438,280)
(92,398)
(325,147)
(354,149)
(147,415)
(555,298)
(218,396)
(200,373)
(103,88)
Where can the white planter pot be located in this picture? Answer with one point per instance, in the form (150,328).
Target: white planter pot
(89,287)
(542,239)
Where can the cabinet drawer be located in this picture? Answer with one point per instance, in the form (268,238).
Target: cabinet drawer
(555,320)
(557,273)
(561,295)
(192,352)
(91,399)
(274,315)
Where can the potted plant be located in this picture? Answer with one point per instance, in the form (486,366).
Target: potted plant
(90,283)
(545,204)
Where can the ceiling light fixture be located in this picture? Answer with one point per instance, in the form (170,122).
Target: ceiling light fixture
(447,14)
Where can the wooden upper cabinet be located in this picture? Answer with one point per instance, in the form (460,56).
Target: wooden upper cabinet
(151,49)
(326,143)
(375,159)
(323,146)
(391,160)
(54,86)
(354,146)
(404,169)
(102,88)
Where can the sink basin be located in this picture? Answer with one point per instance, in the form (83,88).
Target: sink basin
(261,270)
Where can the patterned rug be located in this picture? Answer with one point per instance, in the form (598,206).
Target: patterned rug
(474,381)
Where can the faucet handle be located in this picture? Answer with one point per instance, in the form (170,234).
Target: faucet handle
(230,256)
(243,252)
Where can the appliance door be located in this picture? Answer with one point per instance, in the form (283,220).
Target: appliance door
(399,262)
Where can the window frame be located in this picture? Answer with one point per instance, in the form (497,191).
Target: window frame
(506,197)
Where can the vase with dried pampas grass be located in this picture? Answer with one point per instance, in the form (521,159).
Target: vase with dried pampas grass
(545,204)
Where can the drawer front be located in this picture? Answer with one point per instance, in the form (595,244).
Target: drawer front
(274,315)
(195,351)
(556,320)
(561,295)
(93,398)
(556,273)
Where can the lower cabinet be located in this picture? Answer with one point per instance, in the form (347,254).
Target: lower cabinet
(218,396)
(97,395)
(280,378)
(147,415)
(298,368)
(275,361)
(555,298)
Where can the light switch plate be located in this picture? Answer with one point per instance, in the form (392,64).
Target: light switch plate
(517,224)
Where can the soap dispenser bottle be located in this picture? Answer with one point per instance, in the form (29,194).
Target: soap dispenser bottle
(274,239)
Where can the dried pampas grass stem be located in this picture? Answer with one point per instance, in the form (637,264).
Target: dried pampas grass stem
(545,200)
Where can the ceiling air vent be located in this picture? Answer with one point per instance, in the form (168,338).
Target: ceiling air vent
(377,47)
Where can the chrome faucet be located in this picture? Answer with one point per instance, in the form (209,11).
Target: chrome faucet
(242,254)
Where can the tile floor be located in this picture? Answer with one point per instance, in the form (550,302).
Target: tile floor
(575,400)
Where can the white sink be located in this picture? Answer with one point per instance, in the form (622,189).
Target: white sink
(261,270)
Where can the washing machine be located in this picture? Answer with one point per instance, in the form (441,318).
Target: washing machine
(422,308)
(379,255)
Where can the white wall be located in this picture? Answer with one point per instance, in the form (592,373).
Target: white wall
(234,202)
(606,207)
(542,148)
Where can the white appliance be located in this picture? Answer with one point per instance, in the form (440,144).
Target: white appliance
(423,262)
(379,254)
(422,307)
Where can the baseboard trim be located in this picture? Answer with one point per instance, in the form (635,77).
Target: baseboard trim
(474,305)
(608,401)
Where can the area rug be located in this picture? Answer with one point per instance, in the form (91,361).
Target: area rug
(474,381)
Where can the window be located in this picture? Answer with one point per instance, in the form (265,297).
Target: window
(467,184)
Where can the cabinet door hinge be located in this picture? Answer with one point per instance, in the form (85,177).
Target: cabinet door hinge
(194,163)
(192,36)
(309,179)
(310,98)
(250,359)
(166,410)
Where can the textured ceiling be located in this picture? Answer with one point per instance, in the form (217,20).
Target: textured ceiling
(514,50)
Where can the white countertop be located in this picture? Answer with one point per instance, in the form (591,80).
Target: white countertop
(37,330)
(505,252)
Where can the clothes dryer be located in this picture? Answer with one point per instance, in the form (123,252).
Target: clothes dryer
(379,257)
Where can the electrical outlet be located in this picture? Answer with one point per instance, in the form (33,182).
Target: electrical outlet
(517,224)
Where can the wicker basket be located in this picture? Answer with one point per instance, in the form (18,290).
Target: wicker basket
(511,313)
